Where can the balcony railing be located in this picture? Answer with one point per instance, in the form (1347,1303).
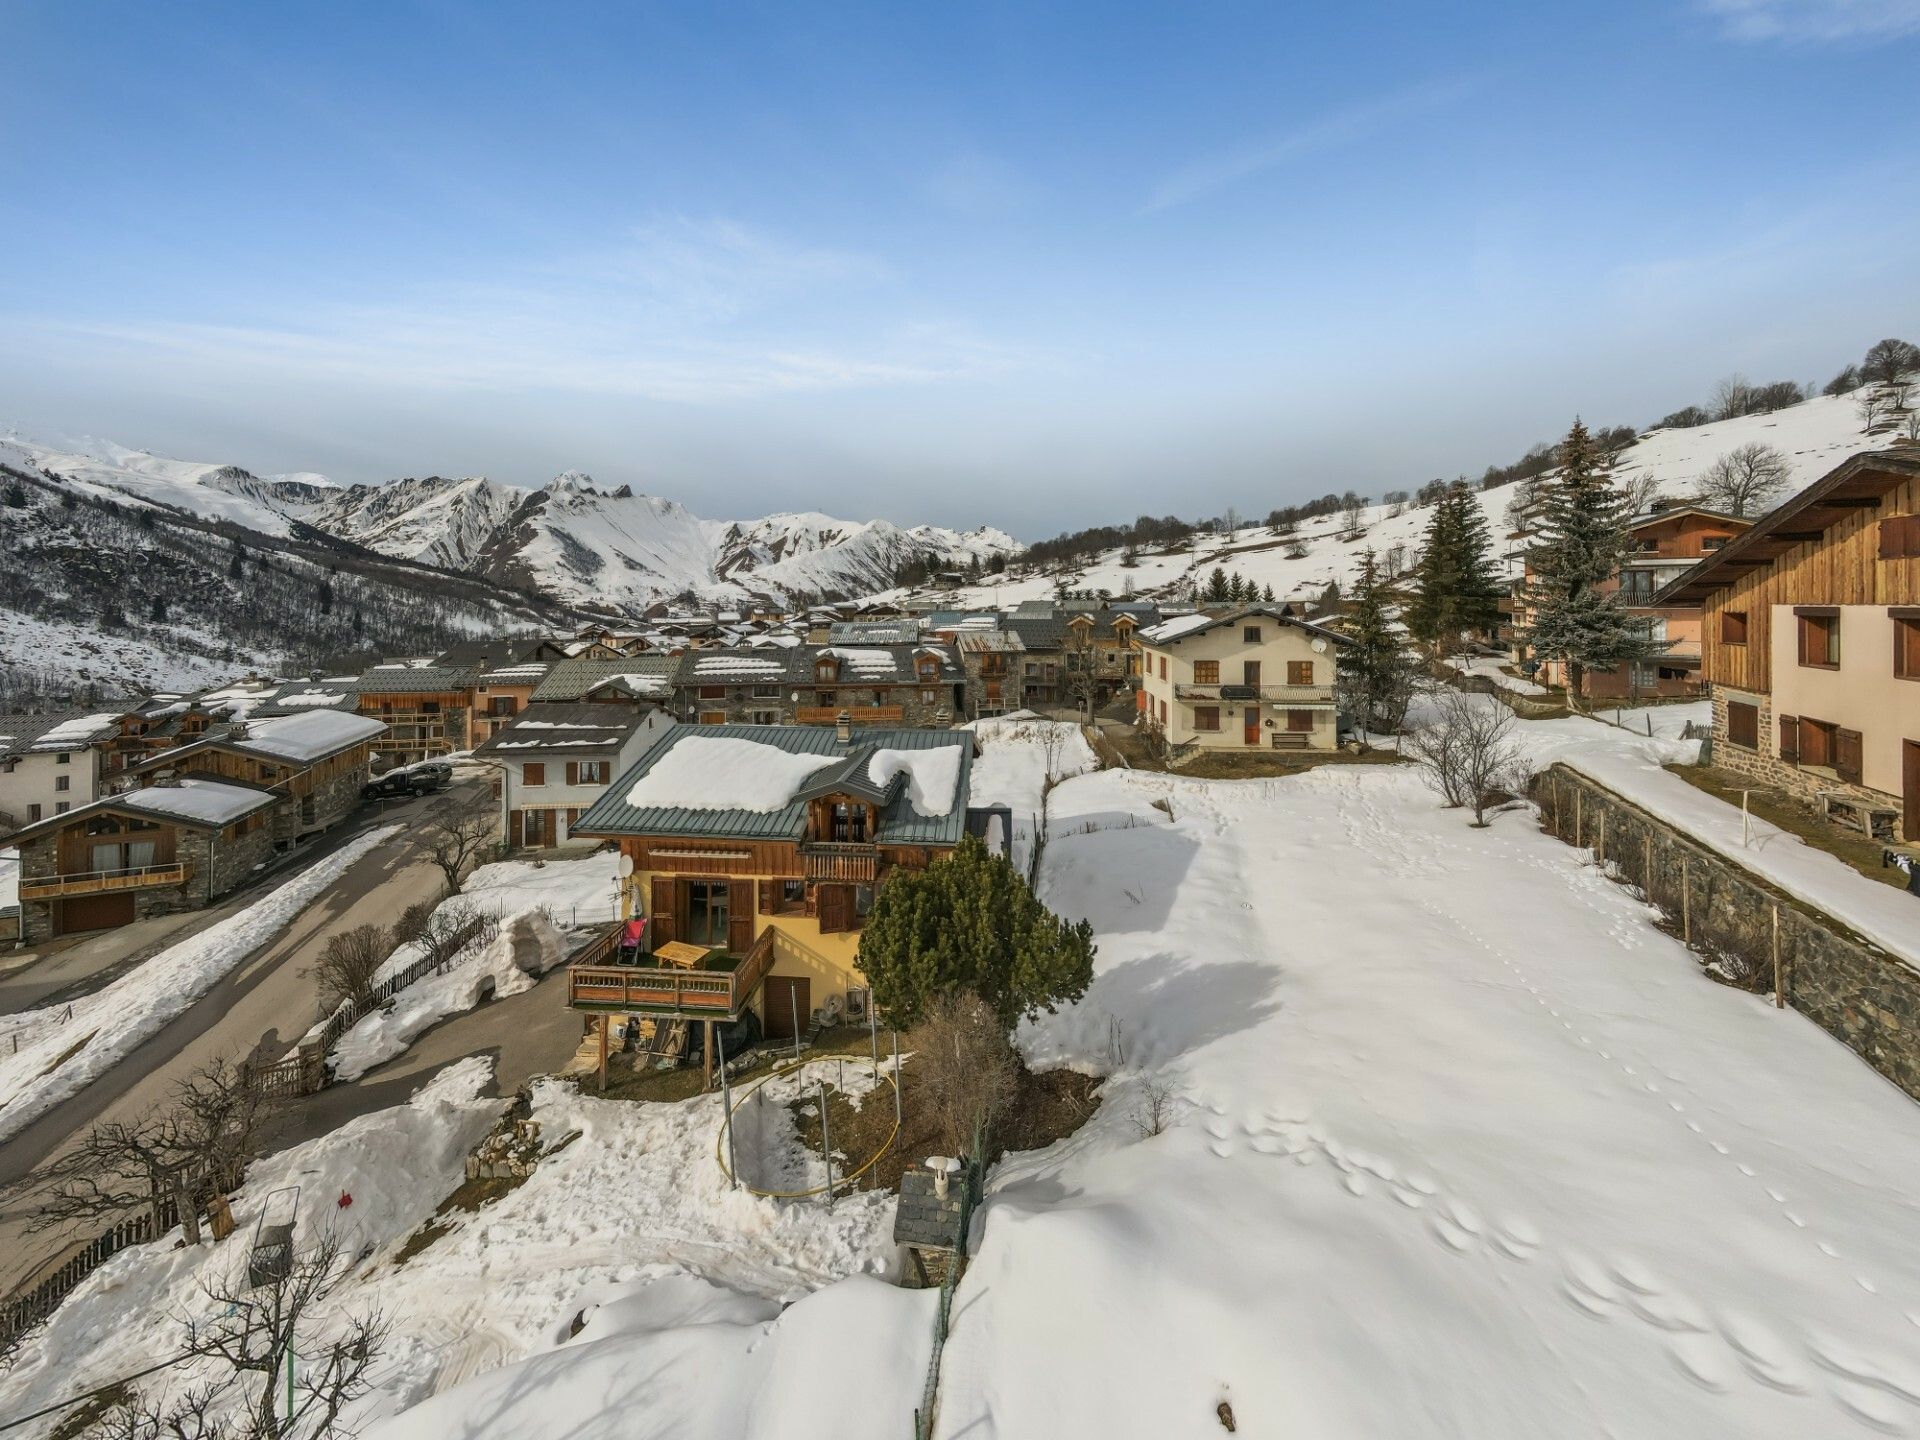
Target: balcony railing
(1298,694)
(719,991)
(95,882)
(840,861)
(857,714)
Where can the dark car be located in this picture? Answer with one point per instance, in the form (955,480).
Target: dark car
(388,787)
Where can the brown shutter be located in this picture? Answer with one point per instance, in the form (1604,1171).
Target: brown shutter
(1893,538)
(573,772)
(740,916)
(1790,739)
(1846,756)
(666,914)
(835,903)
(515,823)
(769,896)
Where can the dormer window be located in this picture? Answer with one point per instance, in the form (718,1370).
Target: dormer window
(826,668)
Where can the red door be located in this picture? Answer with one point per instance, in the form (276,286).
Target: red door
(1251,729)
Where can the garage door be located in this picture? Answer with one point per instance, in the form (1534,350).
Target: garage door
(786,1000)
(95,912)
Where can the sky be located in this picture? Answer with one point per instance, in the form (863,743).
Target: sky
(1037,266)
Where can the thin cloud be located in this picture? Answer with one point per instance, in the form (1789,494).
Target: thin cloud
(1815,20)
(1347,125)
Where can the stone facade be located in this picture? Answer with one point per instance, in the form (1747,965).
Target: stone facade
(1858,993)
(330,803)
(1763,762)
(216,867)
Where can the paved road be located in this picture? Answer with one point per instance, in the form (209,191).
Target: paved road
(260,1007)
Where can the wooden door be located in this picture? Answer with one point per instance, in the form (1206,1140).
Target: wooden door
(665,911)
(740,930)
(1250,726)
(95,912)
(1910,787)
(787,999)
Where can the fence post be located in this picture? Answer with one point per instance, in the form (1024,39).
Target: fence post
(1646,865)
(1686,898)
(1779,996)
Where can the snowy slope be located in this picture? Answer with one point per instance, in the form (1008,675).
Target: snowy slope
(1814,436)
(570,539)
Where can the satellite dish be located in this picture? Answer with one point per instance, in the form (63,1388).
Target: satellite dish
(1319,647)
(625,867)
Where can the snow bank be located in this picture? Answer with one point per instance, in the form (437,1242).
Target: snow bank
(527,947)
(933,776)
(576,891)
(110,1023)
(1012,770)
(844,1364)
(722,773)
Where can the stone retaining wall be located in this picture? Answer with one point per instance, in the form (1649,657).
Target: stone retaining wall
(1746,929)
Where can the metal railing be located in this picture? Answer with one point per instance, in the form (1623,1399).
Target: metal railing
(1302,694)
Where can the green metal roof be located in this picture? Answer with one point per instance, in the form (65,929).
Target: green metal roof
(900,823)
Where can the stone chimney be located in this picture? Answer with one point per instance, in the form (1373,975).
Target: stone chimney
(843,728)
(237,730)
(166,779)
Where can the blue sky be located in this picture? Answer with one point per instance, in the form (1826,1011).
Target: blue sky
(1030,265)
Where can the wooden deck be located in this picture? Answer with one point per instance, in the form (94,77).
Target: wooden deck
(719,990)
(99,882)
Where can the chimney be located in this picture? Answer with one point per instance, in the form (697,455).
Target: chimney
(237,730)
(166,779)
(843,728)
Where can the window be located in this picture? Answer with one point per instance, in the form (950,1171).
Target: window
(1163,667)
(1299,672)
(1818,741)
(707,912)
(63,782)
(1299,722)
(1711,543)
(927,697)
(1743,724)
(1250,634)
(828,697)
(593,772)
(1250,672)
(33,813)
(766,692)
(63,758)
(1206,717)
(1206,672)
(849,823)
(533,772)
(1820,639)
(1906,646)
(1733,627)
(61,807)
(713,692)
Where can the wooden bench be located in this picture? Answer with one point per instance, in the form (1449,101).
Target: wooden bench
(1876,822)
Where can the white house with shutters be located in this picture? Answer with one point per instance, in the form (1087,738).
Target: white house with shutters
(1254,677)
(553,762)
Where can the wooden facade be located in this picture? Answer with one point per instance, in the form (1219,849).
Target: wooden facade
(1838,564)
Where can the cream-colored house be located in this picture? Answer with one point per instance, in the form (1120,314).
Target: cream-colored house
(1253,677)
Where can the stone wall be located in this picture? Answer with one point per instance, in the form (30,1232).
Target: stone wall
(1862,996)
(1763,764)
(332,801)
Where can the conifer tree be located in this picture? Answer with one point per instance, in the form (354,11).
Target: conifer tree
(1236,588)
(1581,538)
(1376,674)
(1455,585)
(1267,594)
(971,923)
(1217,586)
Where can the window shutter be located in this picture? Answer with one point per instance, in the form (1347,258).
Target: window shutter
(665,911)
(1846,756)
(1790,739)
(573,772)
(739,916)
(769,896)
(1893,538)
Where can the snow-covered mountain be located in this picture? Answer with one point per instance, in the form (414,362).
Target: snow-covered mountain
(570,539)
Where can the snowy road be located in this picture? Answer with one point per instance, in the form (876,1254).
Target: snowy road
(1465,1147)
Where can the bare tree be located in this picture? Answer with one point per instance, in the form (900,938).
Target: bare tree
(347,966)
(255,1334)
(194,1145)
(1871,405)
(1354,513)
(455,926)
(1732,397)
(1467,752)
(460,836)
(1744,480)
(1888,360)
(1641,490)
(969,1075)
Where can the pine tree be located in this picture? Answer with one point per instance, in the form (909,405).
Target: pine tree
(1236,589)
(16,496)
(1376,674)
(1455,585)
(1330,598)
(971,923)
(157,612)
(1267,595)
(1217,586)
(1581,540)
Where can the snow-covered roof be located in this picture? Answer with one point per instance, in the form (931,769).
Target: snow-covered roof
(720,773)
(309,737)
(1176,627)
(933,776)
(194,799)
(21,734)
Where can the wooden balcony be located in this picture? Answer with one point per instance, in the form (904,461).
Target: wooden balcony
(859,714)
(840,862)
(1241,694)
(717,990)
(97,882)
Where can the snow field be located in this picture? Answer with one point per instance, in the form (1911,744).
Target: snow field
(1462,1145)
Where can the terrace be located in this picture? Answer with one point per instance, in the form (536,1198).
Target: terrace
(708,984)
(96,882)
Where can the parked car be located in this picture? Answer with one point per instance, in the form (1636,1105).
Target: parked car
(388,787)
